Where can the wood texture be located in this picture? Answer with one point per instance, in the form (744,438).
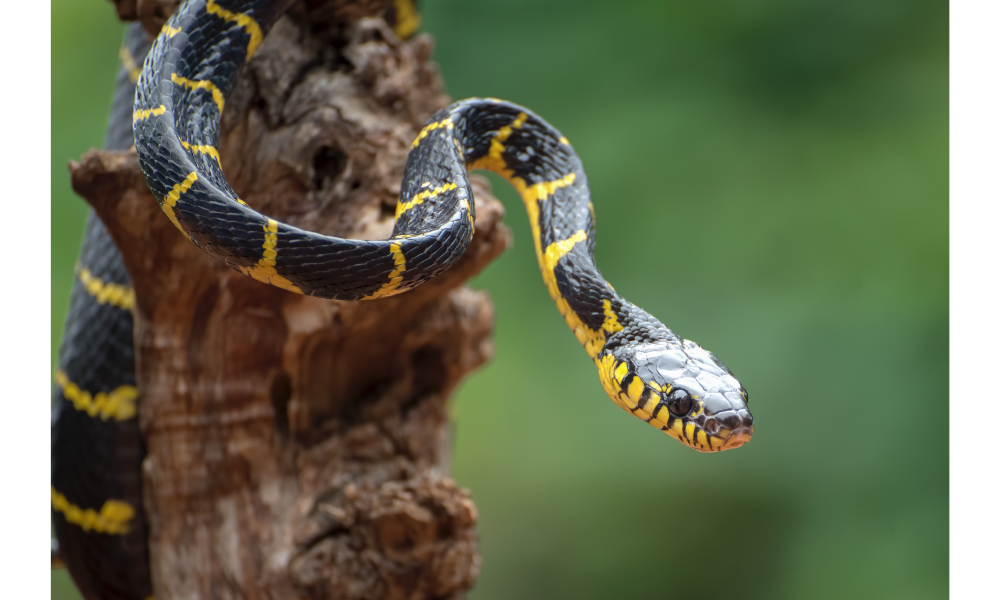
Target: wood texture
(298,447)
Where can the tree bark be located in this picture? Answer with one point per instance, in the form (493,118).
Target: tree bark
(298,447)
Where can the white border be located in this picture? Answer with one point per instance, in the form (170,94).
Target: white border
(25,317)
(974,216)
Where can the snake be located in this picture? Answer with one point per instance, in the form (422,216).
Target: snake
(180,91)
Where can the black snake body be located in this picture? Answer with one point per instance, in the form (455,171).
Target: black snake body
(97,449)
(667,381)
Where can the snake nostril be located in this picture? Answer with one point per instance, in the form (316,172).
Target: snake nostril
(731,421)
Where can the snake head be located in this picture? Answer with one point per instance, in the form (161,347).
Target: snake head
(680,388)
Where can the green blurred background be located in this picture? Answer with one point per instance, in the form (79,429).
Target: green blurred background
(770,179)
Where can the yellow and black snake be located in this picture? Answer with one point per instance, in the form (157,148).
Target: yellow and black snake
(669,382)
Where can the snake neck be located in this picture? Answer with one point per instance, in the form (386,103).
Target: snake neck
(544,169)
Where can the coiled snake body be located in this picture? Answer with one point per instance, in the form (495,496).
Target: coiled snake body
(671,383)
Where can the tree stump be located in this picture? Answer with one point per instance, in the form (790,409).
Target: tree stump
(298,447)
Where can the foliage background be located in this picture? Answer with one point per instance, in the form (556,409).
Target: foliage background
(770,179)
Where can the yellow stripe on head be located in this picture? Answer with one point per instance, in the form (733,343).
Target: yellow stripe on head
(203,84)
(635,389)
(621,371)
(241,19)
(112,519)
(119,404)
(611,380)
(605,369)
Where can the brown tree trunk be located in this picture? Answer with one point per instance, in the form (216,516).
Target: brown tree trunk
(298,447)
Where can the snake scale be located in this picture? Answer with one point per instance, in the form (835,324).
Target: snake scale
(179,95)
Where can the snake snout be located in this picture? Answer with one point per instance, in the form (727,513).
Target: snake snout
(733,428)
(740,419)
(740,424)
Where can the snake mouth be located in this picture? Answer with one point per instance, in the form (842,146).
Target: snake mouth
(737,438)
(723,439)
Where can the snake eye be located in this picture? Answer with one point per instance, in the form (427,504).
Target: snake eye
(746,396)
(679,402)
